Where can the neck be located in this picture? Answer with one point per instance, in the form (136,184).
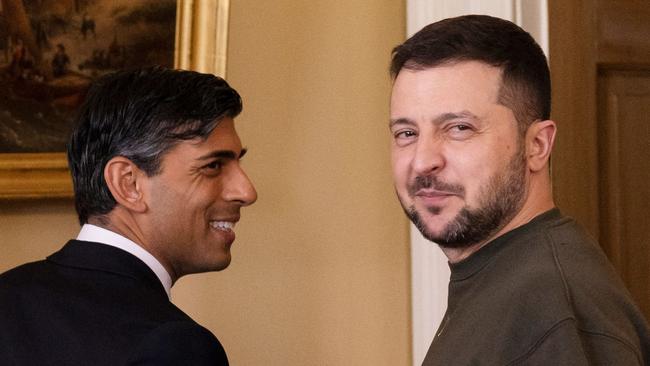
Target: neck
(122,222)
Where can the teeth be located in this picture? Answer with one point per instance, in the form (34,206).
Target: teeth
(222,225)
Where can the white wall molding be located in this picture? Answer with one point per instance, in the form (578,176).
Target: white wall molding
(429,269)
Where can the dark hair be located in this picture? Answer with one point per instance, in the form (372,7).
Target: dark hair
(140,114)
(526,81)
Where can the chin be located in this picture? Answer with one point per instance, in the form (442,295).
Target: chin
(437,218)
(430,224)
(220,265)
(212,266)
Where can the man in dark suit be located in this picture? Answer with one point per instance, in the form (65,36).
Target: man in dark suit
(158,189)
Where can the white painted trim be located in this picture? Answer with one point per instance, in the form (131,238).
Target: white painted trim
(532,15)
(429,279)
(429,270)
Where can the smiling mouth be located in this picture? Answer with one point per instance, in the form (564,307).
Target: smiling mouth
(434,200)
(426,193)
(222,225)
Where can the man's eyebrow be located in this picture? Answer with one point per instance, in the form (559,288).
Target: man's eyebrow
(437,120)
(454,115)
(223,154)
(400,121)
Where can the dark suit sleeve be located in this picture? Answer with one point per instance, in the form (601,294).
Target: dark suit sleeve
(179,343)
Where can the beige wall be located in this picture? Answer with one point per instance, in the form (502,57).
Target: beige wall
(320,272)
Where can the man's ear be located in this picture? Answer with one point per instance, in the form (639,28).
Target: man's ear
(125,181)
(539,144)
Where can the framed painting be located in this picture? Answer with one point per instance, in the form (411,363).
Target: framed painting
(51,50)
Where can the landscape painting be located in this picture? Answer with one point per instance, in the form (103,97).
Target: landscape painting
(50,51)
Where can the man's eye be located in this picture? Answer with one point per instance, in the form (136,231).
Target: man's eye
(214,165)
(461,127)
(404,134)
(460,131)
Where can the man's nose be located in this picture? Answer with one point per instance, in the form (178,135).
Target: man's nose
(239,188)
(429,157)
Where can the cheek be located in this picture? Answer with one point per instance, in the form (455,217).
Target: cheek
(174,210)
(468,170)
(400,163)
(210,192)
(477,174)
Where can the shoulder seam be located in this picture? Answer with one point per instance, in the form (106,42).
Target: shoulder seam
(558,265)
(567,294)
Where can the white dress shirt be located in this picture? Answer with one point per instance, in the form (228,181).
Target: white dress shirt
(100,235)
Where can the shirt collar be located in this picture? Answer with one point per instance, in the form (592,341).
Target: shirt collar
(103,236)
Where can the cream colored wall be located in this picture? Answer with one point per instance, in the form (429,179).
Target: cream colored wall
(29,231)
(320,271)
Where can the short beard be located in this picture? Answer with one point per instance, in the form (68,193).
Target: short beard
(499,202)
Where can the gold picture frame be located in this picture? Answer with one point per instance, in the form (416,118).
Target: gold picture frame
(201,45)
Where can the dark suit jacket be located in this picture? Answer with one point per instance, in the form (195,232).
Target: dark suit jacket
(93,304)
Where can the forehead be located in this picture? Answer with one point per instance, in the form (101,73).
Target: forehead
(224,137)
(452,86)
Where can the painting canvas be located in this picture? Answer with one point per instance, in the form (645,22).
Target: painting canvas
(50,51)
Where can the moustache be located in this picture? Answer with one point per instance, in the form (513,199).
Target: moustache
(432,182)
